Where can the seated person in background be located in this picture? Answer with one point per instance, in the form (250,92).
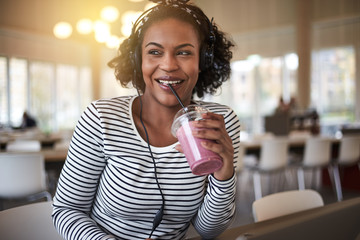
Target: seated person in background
(282,106)
(293,106)
(28,121)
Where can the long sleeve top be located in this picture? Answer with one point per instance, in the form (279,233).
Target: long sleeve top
(107,188)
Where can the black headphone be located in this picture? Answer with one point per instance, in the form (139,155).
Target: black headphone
(207,51)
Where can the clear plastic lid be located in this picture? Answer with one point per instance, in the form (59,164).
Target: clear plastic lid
(190,113)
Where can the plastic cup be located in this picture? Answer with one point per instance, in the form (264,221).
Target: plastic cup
(201,161)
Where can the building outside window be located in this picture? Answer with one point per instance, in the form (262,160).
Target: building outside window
(55,94)
(256,85)
(333,86)
(42,83)
(3,92)
(18,90)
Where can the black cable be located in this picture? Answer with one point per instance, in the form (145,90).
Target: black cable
(159,214)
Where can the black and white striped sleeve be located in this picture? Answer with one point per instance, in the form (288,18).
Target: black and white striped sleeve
(79,180)
(218,208)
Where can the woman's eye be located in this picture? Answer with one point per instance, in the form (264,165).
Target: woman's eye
(184,53)
(154,52)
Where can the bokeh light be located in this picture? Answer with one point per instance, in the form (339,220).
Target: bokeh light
(102,31)
(109,13)
(84,26)
(62,30)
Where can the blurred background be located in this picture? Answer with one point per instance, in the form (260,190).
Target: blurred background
(53,56)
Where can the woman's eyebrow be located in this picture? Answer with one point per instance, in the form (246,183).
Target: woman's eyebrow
(177,47)
(154,43)
(185,45)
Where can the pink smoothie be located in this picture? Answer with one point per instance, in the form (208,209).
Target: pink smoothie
(201,160)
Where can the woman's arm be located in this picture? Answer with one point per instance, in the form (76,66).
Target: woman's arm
(218,208)
(79,179)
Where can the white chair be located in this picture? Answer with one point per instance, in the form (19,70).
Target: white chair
(273,160)
(22,177)
(283,203)
(349,154)
(30,222)
(23,146)
(240,160)
(316,156)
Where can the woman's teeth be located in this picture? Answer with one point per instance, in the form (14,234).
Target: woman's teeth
(164,82)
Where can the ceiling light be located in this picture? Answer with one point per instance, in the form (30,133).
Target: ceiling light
(102,31)
(109,13)
(84,26)
(62,30)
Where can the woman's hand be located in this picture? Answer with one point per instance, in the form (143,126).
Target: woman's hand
(212,127)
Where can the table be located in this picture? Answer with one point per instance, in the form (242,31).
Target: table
(296,144)
(52,155)
(45,141)
(339,220)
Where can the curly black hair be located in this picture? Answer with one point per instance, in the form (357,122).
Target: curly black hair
(127,64)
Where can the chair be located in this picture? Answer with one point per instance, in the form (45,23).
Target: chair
(283,203)
(23,146)
(317,155)
(22,177)
(273,159)
(30,222)
(240,160)
(349,155)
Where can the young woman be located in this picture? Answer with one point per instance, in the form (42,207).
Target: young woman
(125,176)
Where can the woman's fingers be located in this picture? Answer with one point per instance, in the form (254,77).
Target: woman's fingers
(179,148)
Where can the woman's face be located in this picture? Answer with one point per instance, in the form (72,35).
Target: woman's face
(170,55)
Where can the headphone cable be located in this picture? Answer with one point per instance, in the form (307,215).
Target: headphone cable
(160,212)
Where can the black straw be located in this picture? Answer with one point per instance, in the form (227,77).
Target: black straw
(177,96)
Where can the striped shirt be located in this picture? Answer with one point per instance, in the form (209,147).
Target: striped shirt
(107,188)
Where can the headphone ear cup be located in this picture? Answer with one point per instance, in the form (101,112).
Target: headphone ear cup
(202,59)
(137,60)
(206,57)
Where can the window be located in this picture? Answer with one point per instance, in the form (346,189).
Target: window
(255,86)
(18,90)
(3,92)
(67,104)
(269,77)
(110,87)
(42,77)
(85,88)
(257,83)
(55,94)
(333,85)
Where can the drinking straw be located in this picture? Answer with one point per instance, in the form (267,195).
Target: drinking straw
(177,97)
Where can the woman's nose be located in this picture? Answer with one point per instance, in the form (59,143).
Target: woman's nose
(169,63)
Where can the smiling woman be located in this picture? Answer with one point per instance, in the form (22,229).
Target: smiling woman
(126,177)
